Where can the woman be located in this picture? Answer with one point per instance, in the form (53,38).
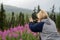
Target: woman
(45,26)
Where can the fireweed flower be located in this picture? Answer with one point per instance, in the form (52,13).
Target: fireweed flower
(1,33)
(4,35)
(15,35)
(16,31)
(21,30)
(27,28)
(21,39)
(10,35)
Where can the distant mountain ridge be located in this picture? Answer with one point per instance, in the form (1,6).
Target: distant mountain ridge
(9,8)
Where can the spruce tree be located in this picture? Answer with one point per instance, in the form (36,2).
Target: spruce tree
(58,21)
(53,16)
(12,19)
(21,18)
(38,9)
(34,14)
(27,19)
(2,18)
(34,11)
(59,10)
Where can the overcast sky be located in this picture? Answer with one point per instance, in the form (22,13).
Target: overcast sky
(30,4)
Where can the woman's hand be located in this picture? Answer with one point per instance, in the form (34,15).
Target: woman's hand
(38,20)
(30,19)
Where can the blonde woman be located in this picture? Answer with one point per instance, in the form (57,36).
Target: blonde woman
(45,26)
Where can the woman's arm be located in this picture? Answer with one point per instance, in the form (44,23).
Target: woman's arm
(36,27)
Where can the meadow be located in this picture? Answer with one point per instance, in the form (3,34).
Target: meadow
(18,33)
(16,26)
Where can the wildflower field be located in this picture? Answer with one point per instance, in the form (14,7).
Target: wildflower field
(18,33)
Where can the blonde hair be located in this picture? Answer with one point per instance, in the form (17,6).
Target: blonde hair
(42,14)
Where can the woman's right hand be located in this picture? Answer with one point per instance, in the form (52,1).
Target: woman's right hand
(38,20)
(30,19)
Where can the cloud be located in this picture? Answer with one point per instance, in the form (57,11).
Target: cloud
(30,4)
(0,1)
